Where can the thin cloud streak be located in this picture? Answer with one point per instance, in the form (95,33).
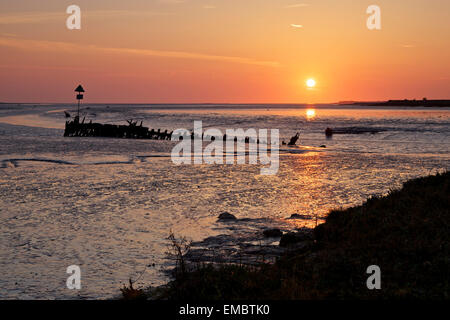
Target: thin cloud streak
(25,18)
(28,45)
(39,17)
(297,5)
(171,1)
(28,67)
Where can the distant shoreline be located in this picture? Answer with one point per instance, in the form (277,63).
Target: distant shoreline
(401,103)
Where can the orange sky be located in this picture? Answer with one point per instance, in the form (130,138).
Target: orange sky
(194,51)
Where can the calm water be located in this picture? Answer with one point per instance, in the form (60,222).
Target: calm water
(107,205)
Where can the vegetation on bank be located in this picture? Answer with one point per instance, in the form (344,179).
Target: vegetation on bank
(405,233)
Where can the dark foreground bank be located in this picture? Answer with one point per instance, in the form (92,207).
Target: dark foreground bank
(406,234)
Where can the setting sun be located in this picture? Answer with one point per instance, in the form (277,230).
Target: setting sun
(311,83)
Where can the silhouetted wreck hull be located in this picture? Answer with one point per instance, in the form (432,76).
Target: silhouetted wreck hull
(75,128)
(352,130)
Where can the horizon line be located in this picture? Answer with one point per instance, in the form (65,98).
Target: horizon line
(226,103)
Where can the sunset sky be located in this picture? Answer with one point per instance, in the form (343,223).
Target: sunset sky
(230,51)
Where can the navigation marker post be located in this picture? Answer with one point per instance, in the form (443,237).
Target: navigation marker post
(79,91)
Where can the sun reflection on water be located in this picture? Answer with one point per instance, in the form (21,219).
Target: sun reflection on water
(310,114)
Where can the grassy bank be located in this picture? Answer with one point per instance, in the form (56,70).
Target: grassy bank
(405,233)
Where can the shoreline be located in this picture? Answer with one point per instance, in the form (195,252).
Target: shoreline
(406,234)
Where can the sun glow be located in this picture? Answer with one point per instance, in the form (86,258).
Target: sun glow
(310,83)
(310,113)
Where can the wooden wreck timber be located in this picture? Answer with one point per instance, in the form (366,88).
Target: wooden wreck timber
(75,128)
